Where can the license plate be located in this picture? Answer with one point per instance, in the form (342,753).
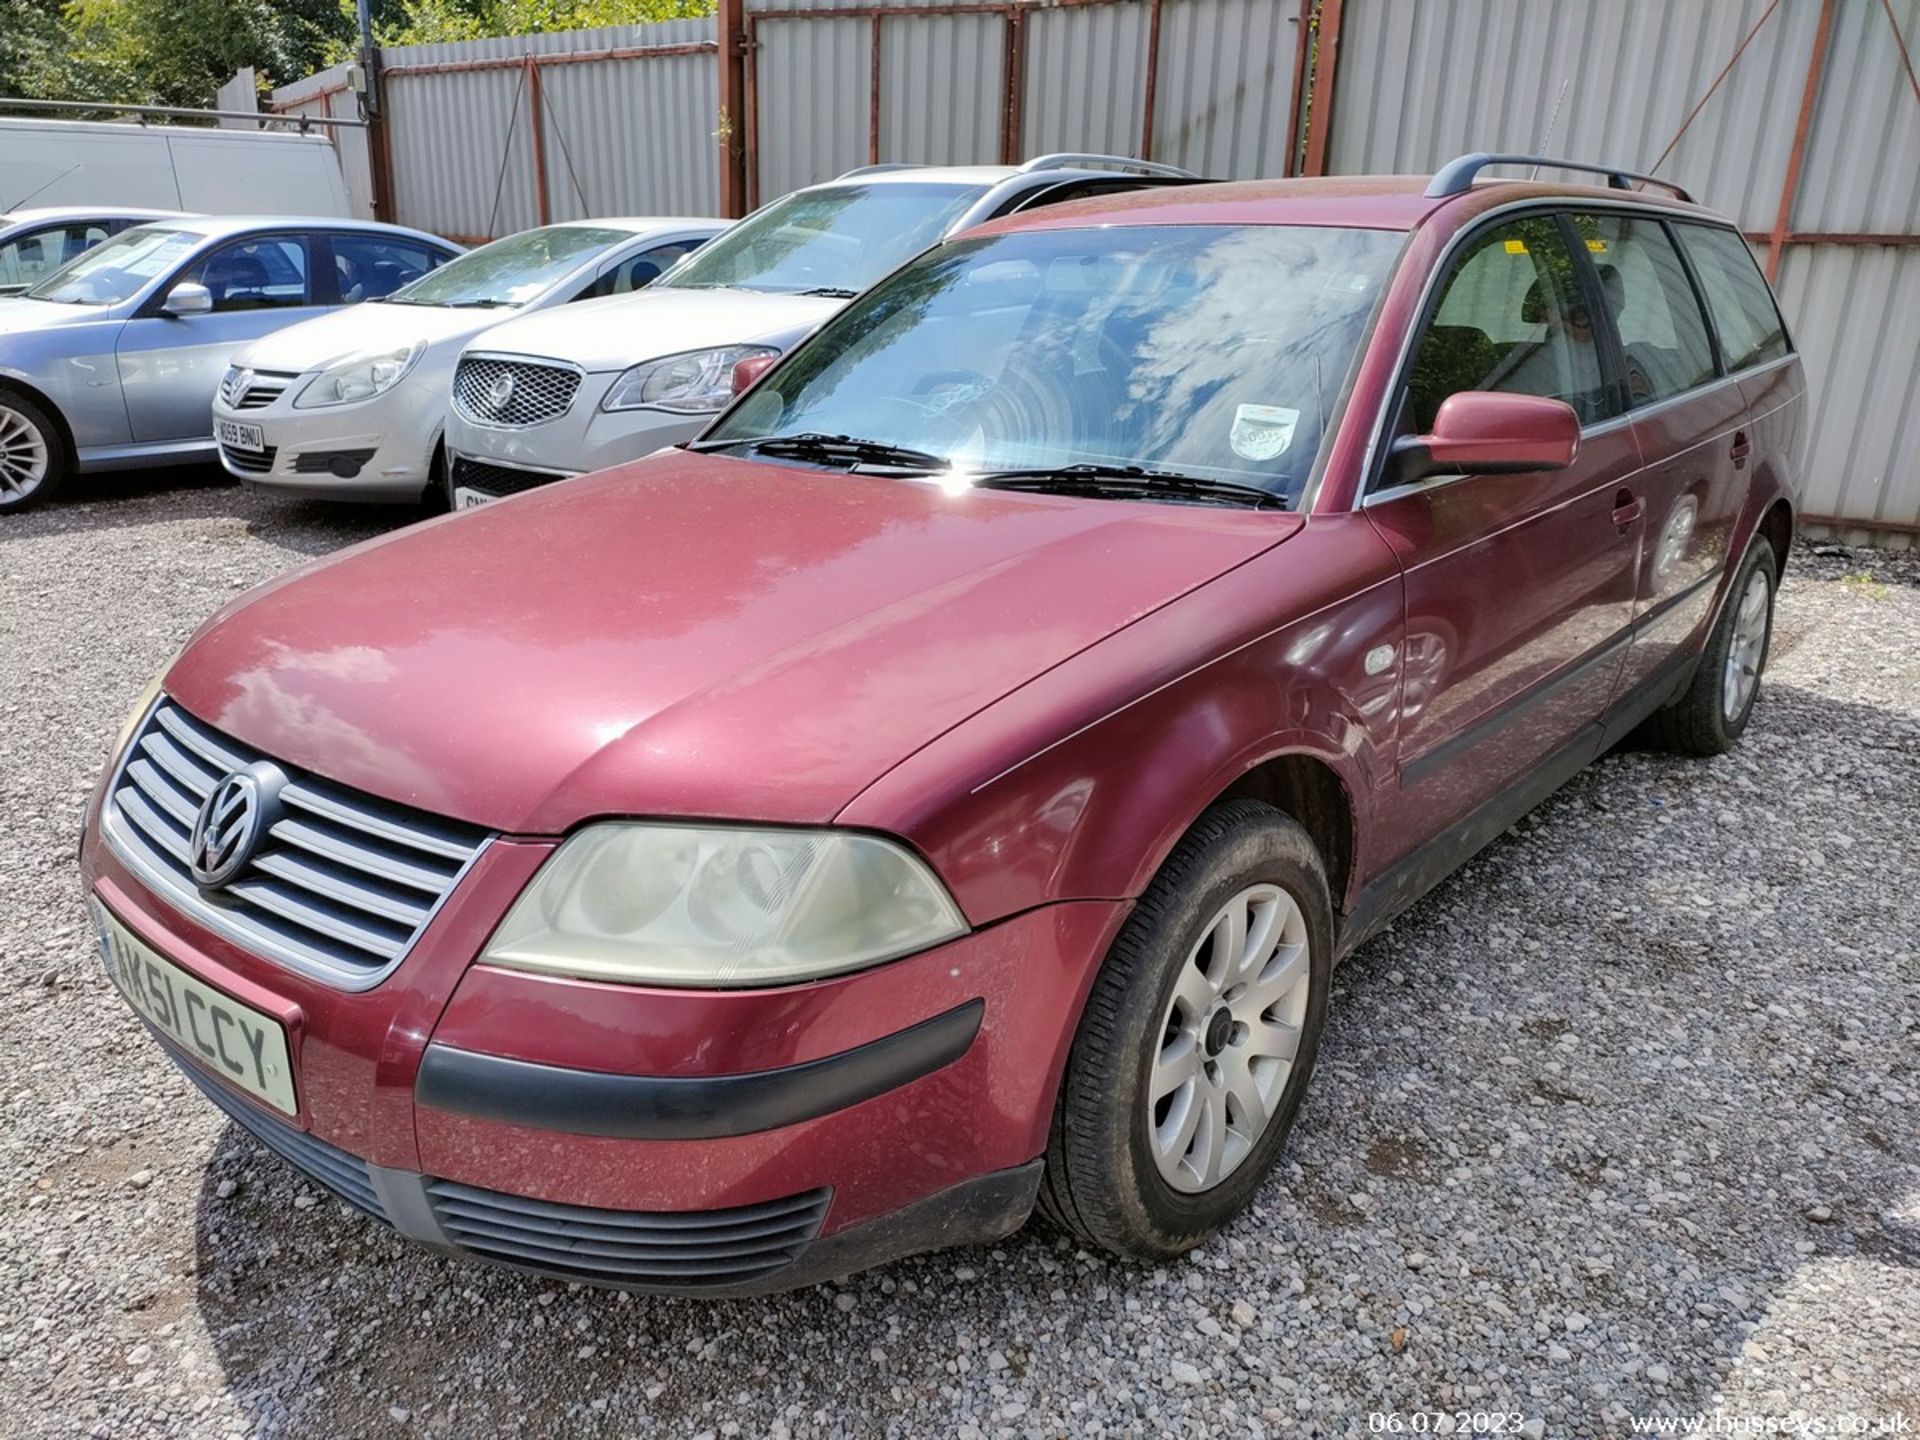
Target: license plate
(233,1040)
(465,499)
(241,437)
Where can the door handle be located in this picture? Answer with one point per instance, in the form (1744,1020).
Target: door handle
(1627,508)
(1742,448)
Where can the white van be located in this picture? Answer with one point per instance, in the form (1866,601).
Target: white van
(169,167)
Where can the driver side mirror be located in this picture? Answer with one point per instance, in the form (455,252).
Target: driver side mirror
(1486,432)
(747,371)
(187,298)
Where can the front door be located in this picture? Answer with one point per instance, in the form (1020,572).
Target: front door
(170,365)
(1519,588)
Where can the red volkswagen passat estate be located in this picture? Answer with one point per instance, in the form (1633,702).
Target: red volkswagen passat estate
(945,788)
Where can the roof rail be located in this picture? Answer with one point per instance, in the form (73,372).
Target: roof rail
(1068,159)
(876,169)
(1456,177)
(174,112)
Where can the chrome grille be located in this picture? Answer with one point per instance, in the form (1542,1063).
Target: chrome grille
(498,480)
(254,462)
(253,389)
(343,883)
(345,1175)
(491,391)
(655,1248)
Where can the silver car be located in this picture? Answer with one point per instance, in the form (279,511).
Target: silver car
(36,242)
(111,362)
(583,387)
(351,406)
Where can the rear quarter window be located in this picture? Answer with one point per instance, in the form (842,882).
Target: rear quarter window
(1742,306)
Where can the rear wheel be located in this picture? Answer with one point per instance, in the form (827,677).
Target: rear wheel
(33,453)
(1197,1041)
(1712,714)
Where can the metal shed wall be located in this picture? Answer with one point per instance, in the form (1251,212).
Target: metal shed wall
(1418,83)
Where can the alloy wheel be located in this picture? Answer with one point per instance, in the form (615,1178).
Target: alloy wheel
(1748,648)
(1228,1038)
(24,456)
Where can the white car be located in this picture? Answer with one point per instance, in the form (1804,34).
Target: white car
(550,396)
(350,406)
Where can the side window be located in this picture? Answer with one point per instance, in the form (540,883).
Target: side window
(636,272)
(371,267)
(1654,308)
(1512,318)
(264,274)
(1744,314)
(27,259)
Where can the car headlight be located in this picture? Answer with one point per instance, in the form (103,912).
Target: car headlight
(359,377)
(699,382)
(712,906)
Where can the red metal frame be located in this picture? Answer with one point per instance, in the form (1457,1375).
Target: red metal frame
(1013,85)
(1291,165)
(1326,67)
(1809,95)
(1151,88)
(564,57)
(873,97)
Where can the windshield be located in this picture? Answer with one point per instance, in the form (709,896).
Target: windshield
(118,269)
(1216,352)
(512,271)
(840,238)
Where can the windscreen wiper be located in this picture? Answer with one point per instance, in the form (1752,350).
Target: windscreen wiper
(478,303)
(822,449)
(832,292)
(1130,482)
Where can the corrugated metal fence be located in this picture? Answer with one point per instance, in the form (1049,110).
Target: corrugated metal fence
(1810,138)
(1799,117)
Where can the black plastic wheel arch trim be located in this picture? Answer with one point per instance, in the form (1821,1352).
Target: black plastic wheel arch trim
(676,1107)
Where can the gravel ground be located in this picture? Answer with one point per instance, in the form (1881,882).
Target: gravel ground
(1619,1122)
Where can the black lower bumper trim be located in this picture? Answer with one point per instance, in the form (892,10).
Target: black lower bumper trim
(648,1107)
(975,1212)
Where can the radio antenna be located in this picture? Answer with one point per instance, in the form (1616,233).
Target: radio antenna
(1553,121)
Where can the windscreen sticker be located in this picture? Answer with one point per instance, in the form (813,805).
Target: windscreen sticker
(1262,432)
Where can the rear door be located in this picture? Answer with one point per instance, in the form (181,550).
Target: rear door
(1686,415)
(169,365)
(1519,588)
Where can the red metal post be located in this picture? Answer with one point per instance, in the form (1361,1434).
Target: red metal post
(733,107)
(750,143)
(1809,95)
(537,130)
(873,97)
(1326,65)
(1014,83)
(1153,80)
(1291,164)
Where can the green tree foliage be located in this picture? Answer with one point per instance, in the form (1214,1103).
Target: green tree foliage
(424,21)
(179,52)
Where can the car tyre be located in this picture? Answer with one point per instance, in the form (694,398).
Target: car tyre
(1184,987)
(437,498)
(1712,713)
(34,458)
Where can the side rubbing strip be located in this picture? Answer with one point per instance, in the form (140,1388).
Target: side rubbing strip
(646,1107)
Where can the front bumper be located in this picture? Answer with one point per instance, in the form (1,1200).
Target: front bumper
(584,439)
(378,451)
(717,1142)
